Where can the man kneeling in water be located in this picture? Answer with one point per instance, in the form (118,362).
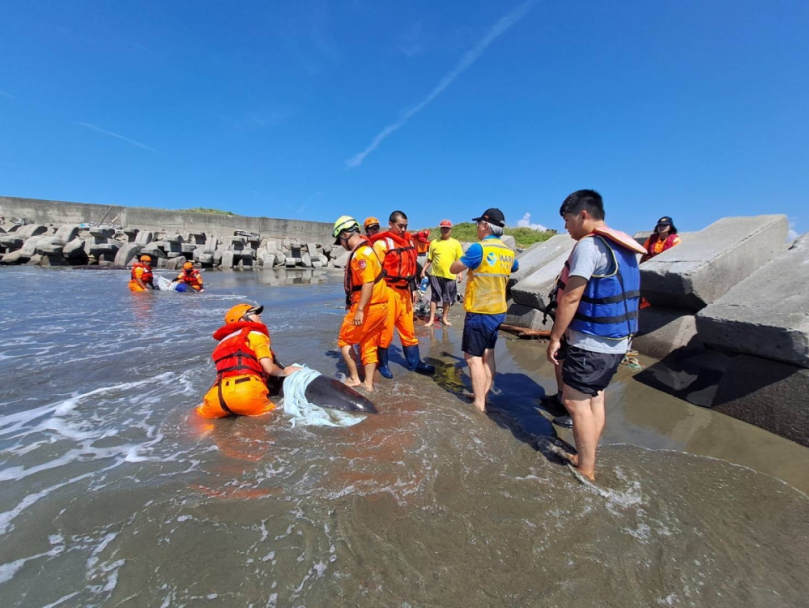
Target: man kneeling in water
(244,361)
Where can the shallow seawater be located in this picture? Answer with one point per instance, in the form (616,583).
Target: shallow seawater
(113,493)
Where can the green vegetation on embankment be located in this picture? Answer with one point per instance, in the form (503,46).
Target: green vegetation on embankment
(467,231)
(206,210)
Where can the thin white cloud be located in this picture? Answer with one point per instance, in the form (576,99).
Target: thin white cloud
(9,95)
(87,125)
(525,222)
(464,64)
(792,234)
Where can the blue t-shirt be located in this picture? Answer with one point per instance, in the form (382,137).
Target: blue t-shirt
(474,256)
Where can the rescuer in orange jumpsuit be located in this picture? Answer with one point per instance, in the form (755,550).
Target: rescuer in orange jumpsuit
(243,360)
(142,278)
(190,276)
(398,254)
(366,301)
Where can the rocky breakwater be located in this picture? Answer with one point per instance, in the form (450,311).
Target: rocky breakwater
(732,301)
(74,245)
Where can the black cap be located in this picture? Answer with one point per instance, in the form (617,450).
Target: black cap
(666,221)
(493,216)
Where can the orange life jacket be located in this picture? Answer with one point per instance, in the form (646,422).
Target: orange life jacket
(654,246)
(191,278)
(233,355)
(401,259)
(348,283)
(147,277)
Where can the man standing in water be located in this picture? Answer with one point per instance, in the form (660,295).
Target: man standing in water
(490,263)
(366,301)
(397,252)
(442,254)
(597,313)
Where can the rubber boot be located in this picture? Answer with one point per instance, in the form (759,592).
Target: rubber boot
(414,362)
(382,366)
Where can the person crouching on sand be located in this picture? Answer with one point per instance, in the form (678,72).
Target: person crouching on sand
(244,361)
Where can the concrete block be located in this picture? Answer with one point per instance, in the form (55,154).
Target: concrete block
(291,262)
(227,260)
(50,248)
(153,250)
(217,256)
(53,260)
(173,238)
(102,233)
(31,244)
(341,260)
(34,260)
(171,255)
(144,237)
(75,248)
(767,314)
(236,243)
(316,263)
(196,238)
(525,316)
(311,249)
(662,331)
(14,257)
(327,249)
(188,247)
(11,242)
(534,289)
(306,260)
(127,253)
(31,230)
(175,263)
(768,394)
(65,234)
(703,268)
(266,258)
(539,254)
(205,259)
(280,259)
(509,241)
(641,236)
(322,259)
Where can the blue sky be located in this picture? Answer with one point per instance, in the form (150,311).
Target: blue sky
(312,109)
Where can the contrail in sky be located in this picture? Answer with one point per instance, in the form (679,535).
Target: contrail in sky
(9,95)
(111,134)
(464,64)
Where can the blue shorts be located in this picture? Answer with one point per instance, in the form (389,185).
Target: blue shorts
(480,332)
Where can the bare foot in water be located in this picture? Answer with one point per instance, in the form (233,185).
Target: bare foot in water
(429,324)
(447,323)
(368,387)
(352,382)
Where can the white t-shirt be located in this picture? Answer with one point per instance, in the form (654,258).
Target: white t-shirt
(592,257)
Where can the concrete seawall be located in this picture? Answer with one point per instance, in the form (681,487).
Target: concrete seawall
(130,218)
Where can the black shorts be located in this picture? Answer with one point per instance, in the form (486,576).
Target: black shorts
(586,371)
(443,290)
(480,333)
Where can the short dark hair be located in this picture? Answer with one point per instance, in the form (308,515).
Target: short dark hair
(588,200)
(396,215)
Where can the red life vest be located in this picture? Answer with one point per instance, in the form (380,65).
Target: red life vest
(348,283)
(654,248)
(147,277)
(191,278)
(401,259)
(233,355)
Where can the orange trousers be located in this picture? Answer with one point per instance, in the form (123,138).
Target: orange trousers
(368,335)
(400,317)
(133,286)
(245,395)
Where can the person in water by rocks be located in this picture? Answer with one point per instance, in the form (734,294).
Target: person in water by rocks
(190,276)
(142,278)
(662,239)
(397,252)
(490,263)
(366,302)
(244,362)
(597,313)
(442,254)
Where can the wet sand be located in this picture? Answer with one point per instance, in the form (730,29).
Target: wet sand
(114,493)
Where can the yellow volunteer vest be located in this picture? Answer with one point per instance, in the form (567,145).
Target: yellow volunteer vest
(486,285)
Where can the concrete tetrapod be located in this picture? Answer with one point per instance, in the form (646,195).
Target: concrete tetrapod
(703,268)
(767,314)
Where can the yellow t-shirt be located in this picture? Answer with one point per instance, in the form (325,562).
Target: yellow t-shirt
(260,344)
(442,254)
